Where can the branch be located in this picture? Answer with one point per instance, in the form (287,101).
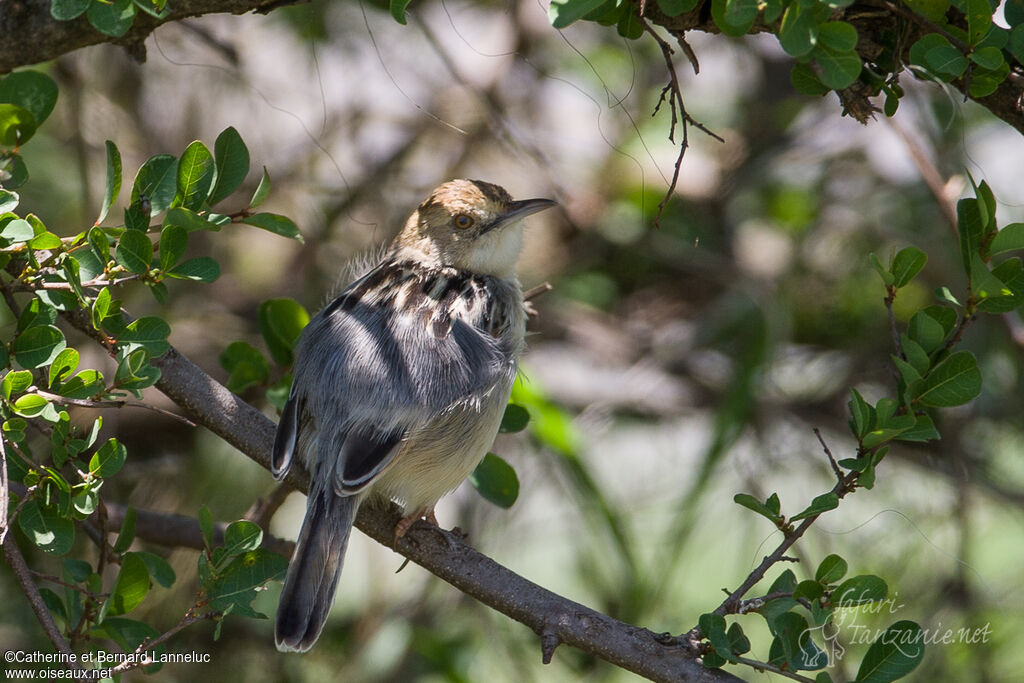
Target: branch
(443,553)
(24,575)
(31,35)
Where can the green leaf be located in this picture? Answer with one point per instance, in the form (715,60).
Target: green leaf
(197,174)
(279,225)
(823,503)
(496,481)
(990,58)
(201,269)
(108,460)
(673,8)
(113,19)
(33,91)
(206,526)
(1010,238)
(629,25)
(157,181)
(738,641)
(515,419)
(882,271)
(113,186)
(893,655)
(799,31)
(979,19)
(31,405)
(189,220)
(18,230)
(281,322)
(793,645)
(63,365)
(13,172)
(970,229)
(713,627)
(838,69)
(398,10)
(8,201)
(127,533)
(831,569)
(838,35)
(262,190)
(931,9)
(134,251)
(36,313)
(148,332)
(66,10)
(923,430)
(907,263)
(954,381)
(46,528)
(860,590)
(804,80)
(232,164)
(1013,11)
(131,586)
(173,243)
(38,346)
(1016,41)
(158,568)
(734,17)
(245,365)
(751,503)
(247,572)
(984,82)
(927,331)
(946,60)
(15,382)
(564,12)
(242,536)
(17,125)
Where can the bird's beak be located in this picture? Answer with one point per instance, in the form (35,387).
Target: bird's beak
(519,210)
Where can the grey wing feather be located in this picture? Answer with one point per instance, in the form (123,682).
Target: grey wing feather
(369,375)
(286,439)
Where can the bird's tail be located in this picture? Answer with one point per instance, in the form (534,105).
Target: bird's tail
(313,573)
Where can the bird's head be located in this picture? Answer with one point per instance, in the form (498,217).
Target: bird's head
(470,225)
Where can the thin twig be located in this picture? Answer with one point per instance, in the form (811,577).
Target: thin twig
(673,93)
(91,403)
(24,576)
(831,459)
(844,486)
(5,495)
(135,661)
(765,666)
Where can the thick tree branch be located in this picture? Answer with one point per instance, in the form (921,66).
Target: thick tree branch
(443,553)
(31,35)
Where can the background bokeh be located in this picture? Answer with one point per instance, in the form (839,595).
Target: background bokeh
(693,360)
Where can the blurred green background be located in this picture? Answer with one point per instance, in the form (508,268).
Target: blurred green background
(690,361)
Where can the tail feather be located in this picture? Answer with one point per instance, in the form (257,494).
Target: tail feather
(313,573)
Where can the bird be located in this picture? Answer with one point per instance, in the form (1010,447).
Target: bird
(400,383)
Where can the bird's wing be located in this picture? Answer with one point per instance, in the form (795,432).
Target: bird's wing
(369,371)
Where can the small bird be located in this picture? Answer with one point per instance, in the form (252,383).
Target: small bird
(400,383)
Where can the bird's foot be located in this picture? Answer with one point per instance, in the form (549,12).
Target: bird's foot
(406,522)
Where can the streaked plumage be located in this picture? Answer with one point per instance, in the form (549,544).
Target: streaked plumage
(400,382)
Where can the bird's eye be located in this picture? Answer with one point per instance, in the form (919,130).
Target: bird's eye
(463,222)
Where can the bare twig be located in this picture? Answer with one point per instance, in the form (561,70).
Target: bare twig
(831,459)
(673,93)
(92,403)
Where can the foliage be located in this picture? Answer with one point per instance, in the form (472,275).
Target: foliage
(58,478)
(953,40)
